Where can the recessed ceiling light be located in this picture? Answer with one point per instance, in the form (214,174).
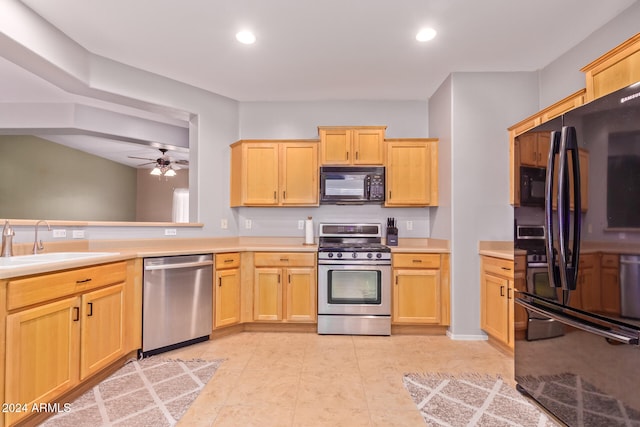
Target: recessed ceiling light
(426,34)
(246,37)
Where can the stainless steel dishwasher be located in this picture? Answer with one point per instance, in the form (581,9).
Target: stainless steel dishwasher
(177,306)
(630,286)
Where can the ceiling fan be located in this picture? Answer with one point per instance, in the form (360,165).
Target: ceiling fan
(164,166)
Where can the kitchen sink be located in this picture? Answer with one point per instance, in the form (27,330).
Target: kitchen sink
(46,258)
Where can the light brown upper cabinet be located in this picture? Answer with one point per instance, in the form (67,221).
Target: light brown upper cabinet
(534,148)
(614,70)
(412,172)
(274,173)
(341,145)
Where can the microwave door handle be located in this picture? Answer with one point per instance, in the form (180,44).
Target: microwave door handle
(568,260)
(552,266)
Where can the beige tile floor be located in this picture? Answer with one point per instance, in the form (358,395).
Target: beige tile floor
(303,379)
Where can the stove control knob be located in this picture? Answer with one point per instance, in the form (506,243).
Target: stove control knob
(330,255)
(354,255)
(369,255)
(339,255)
(378,255)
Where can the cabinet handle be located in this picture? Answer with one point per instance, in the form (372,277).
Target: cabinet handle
(356,155)
(506,268)
(289,279)
(502,291)
(76,314)
(228,260)
(389,194)
(219,281)
(90,304)
(83,281)
(347,155)
(416,260)
(509,293)
(278,278)
(275,195)
(284,259)
(396,280)
(284,195)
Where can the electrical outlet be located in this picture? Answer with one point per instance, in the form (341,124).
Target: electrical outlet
(409,225)
(78,234)
(247,224)
(224,224)
(301,224)
(170,231)
(59,233)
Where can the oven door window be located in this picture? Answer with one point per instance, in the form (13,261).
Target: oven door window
(541,287)
(354,287)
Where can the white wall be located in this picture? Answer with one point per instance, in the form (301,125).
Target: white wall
(563,77)
(473,112)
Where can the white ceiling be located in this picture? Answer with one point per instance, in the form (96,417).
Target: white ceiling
(327,49)
(308,50)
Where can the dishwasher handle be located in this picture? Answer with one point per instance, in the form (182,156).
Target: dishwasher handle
(177,265)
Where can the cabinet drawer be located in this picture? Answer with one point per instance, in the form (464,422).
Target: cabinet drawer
(37,289)
(230,260)
(609,260)
(498,266)
(587,261)
(416,260)
(520,263)
(284,259)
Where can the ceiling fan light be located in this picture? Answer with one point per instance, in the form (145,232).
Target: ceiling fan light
(156,171)
(170,172)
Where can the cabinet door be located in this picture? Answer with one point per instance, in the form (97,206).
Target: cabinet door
(301,295)
(267,303)
(260,166)
(335,146)
(299,174)
(416,296)
(528,144)
(227,298)
(495,306)
(411,173)
(368,146)
(42,357)
(102,340)
(610,282)
(542,148)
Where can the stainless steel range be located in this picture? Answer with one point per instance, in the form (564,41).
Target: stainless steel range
(354,280)
(531,239)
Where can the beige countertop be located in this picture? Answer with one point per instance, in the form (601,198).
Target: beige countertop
(119,250)
(497,249)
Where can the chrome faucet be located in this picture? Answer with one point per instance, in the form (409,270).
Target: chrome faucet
(7,240)
(38,246)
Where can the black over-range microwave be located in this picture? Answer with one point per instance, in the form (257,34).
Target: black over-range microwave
(351,184)
(532,186)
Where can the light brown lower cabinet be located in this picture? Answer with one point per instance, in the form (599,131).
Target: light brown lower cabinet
(285,287)
(420,289)
(62,328)
(499,316)
(227,290)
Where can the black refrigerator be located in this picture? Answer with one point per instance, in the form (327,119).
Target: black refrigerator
(586,370)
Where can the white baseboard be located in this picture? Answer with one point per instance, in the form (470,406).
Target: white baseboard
(463,337)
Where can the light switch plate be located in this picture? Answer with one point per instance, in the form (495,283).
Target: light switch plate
(247,224)
(224,224)
(78,234)
(170,231)
(59,233)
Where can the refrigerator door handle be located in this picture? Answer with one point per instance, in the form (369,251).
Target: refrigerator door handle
(552,265)
(578,324)
(569,259)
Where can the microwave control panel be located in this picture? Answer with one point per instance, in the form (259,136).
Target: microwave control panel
(376,187)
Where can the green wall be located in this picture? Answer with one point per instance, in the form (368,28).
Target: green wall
(43,180)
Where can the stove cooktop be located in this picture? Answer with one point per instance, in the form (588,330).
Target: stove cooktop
(352,247)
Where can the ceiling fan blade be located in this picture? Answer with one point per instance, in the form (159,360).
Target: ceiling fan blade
(148,163)
(141,158)
(182,162)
